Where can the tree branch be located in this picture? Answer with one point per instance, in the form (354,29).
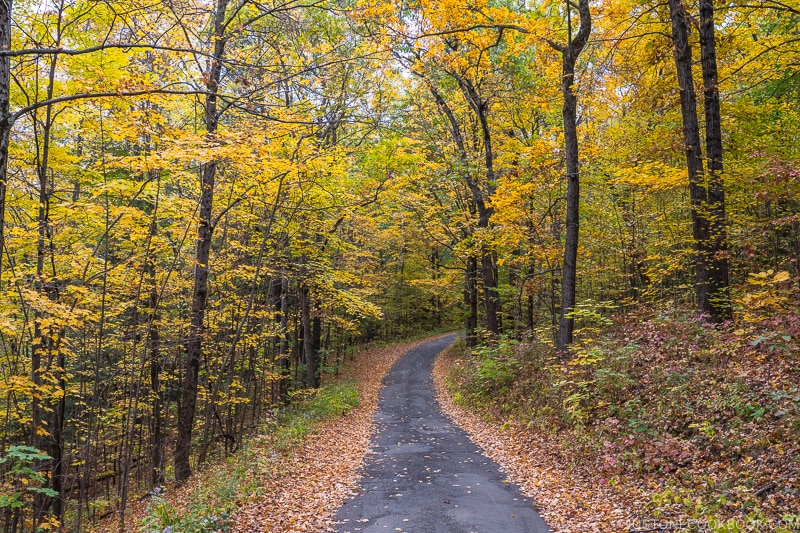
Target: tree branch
(104,94)
(98,48)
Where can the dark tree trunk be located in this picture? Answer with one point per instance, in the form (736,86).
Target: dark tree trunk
(283,344)
(436,311)
(569,55)
(490,294)
(156,417)
(529,313)
(5,115)
(194,346)
(471,300)
(487,267)
(480,106)
(309,357)
(708,216)
(719,306)
(58,472)
(316,338)
(154,353)
(49,422)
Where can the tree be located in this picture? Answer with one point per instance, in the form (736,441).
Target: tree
(194,345)
(706,191)
(569,55)
(718,304)
(6,121)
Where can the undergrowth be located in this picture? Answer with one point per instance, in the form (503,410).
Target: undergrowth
(225,487)
(703,422)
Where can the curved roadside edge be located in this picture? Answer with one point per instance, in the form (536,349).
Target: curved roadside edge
(323,473)
(568,502)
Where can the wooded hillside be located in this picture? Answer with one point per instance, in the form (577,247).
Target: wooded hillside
(204,206)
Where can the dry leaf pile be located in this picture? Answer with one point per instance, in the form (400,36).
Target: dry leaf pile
(569,501)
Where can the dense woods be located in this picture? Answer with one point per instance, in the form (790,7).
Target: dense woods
(205,206)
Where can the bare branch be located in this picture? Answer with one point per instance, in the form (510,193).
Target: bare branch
(98,48)
(471,28)
(104,94)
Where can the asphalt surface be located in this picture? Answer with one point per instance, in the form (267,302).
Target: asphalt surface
(424,475)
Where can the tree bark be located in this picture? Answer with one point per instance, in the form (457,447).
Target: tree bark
(479,204)
(153,347)
(309,357)
(569,55)
(194,346)
(471,301)
(708,217)
(719,305)
(283,343)
(5,115)
(480,106)
(48,412)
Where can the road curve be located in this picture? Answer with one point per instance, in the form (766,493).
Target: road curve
(424,475)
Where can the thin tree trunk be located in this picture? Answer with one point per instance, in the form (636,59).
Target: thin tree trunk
(480,106)
(309,357)
(194,347)
(471,300)
(716,247)
(316,343)
(49,421)
(153,347)
(5,115)
(569,55)
(491,297)
(283,344)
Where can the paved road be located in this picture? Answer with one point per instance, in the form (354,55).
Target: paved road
(425,476)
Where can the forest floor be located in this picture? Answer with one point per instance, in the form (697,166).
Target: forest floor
(288,480)
(657,422)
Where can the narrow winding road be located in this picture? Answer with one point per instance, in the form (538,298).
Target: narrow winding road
(424,475)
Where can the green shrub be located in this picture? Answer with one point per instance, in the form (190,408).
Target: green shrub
(21,482)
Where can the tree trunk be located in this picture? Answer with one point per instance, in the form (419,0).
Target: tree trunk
(471,300)
(5,115)
(707,224)
(283,343)
(316,343)
(49,420)
(490,294)
(194,346)
(569,55)
(480,106)
(309,357)
(196,331)
(488,263)
(153,347)
(716,247)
